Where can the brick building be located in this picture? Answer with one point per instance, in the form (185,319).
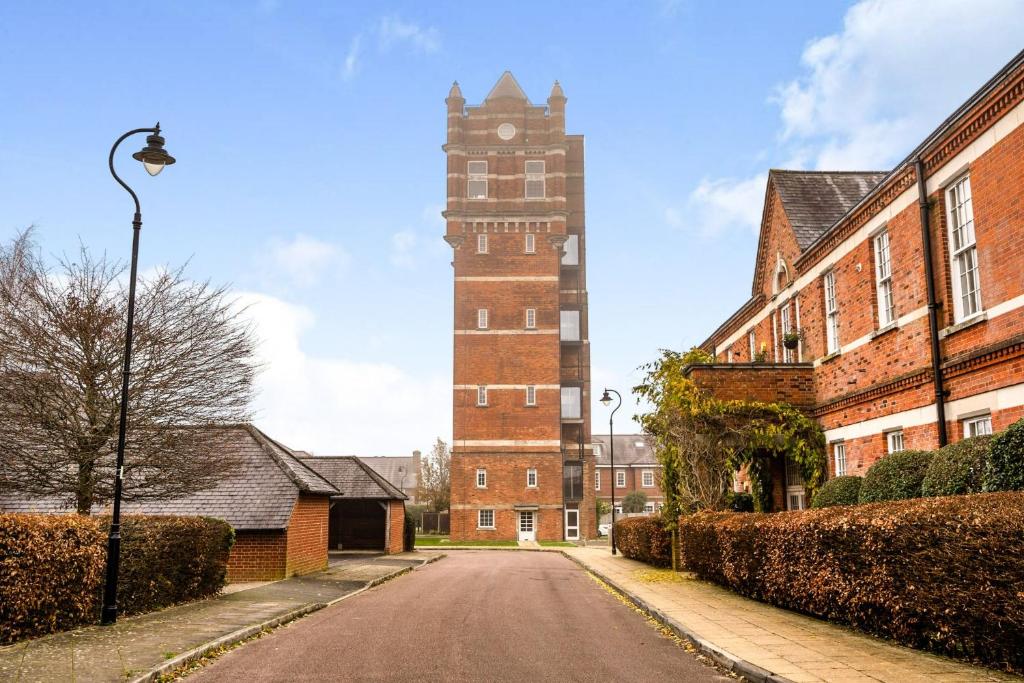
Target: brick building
(515,220)
(907,287)
(636,469)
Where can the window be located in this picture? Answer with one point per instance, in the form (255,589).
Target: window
(571,248)
(481,243)
(831,313)
(531,395)
(752,343)
(535,179)
(787,353)
(963,251)
(977,426)
(883,280)
(570,326)
(531,318)
(481,478)
(531,243)
(476,183)
(531,477)
(597,449)
(481,318)
(485,519)
(481,396)
(647,479)
(648,508)
(839,456)
(597,480)
(894,441)
(620,479)
(571,403)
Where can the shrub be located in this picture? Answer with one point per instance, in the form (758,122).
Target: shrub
(634,501)
(942,574)
(739,502)
(897,476)
(644,539)
(1005,468)
(409,532)
(957,468)
(838,491)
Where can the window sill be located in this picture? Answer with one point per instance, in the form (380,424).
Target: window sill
(964,324)
(486,528)
(831,356)
(894,325)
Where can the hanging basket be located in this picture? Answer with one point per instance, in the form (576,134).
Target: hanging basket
(791,342)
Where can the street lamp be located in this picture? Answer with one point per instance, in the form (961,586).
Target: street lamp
(153,157)
(607,401)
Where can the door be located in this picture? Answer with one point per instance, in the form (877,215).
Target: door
(527,528)
(796,493)
(572,524)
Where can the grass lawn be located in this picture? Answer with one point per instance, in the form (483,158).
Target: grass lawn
(426,541)
(558,544)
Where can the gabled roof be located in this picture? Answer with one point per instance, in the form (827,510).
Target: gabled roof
(630,449)
(399,471)
(815,200)
(507,86)
(353,478)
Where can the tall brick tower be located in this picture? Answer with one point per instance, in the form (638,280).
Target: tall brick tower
(522,465)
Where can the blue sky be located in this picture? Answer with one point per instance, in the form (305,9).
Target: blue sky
(311,178)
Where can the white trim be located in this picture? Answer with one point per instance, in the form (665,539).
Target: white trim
(531,395)
(533,471)
(481,474)
(537,331)
(531,318)
(530,246)
(643,478)
(900,322)
(481,318)
(616,479)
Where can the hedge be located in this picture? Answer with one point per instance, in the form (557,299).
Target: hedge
(896,476)
(644,539)
(1005,468)
(843,490)
(957,468)
(942,574)
(52,567)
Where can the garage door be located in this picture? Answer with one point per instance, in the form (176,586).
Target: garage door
(357,525)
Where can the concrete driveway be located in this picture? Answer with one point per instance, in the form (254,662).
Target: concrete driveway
(473,616)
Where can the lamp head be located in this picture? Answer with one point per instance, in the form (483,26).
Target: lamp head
(153,156)
(606,399)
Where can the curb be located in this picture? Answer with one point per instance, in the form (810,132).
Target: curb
(246,632)
(748,670)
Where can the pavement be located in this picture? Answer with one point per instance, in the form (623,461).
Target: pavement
(478,615)
(137,647)
(762,642)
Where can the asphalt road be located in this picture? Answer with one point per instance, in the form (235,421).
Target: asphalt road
(472,616)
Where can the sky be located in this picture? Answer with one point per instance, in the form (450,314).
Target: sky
(310,176)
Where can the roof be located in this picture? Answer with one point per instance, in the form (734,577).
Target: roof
(353,478)
(507,86)
(399,471)
(815,200)
(259,494)
(630,449)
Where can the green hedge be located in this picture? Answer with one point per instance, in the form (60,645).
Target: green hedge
(52,567)
(644,539)
(838,491)
(957,468)
(943,574)
(1005,468)
(896,476)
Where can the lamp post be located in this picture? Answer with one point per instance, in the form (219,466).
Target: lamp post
(607,400)
(153,158)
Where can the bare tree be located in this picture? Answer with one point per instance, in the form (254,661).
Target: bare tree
(435,478)
(61,349)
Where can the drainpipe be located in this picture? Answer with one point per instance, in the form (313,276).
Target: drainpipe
(933,314)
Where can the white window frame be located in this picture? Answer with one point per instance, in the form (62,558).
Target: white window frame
(531,395)
(531,318)
(620,479)
(831,312)
(980,424)
(839,458)
(481,243)
(597,449)
(530,246)
(481,477)
(649,507)
(894,441)
(480,514)
(531,478)
(476,174)
(481,319)
(533,178)
(883,279)
(644,477)
(481,396)
(597,479)
(964,269)
(786,323)
(752,343)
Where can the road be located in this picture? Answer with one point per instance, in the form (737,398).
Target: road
(472,616)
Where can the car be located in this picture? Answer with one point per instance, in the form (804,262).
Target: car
(604,529)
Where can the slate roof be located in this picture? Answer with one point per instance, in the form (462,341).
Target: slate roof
(353,478)
(815,200)
(399,471)
(630,449)
(260,494)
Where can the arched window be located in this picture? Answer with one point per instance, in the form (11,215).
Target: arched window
(781,275)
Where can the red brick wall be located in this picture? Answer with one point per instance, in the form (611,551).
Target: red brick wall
(258,556)
(395,542)
(307,535)
(792,384)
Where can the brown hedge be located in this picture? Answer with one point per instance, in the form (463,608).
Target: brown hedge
(52,567)
(943,574)
(644,539)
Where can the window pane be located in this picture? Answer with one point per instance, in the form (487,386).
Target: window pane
(531,244)
(570,325)
(572,251)
(535,166)
(571,402)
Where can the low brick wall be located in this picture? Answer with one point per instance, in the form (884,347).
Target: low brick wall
(791,383)
(307,535)
(258,556)
(395,543)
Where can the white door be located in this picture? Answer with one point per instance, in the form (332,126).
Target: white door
(796,493)
(527,528)
(572,524)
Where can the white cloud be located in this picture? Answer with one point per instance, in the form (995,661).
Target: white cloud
(351,66)
(304,260)
(392,30)
(719,205)
(333,404)
(402,246)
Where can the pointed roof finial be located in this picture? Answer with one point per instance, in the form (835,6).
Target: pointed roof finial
(507,87)
(556,91)
(455,91)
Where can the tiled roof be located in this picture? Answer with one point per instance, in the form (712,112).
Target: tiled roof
(630,449)
(815,200)
(400,471)
(353,478)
